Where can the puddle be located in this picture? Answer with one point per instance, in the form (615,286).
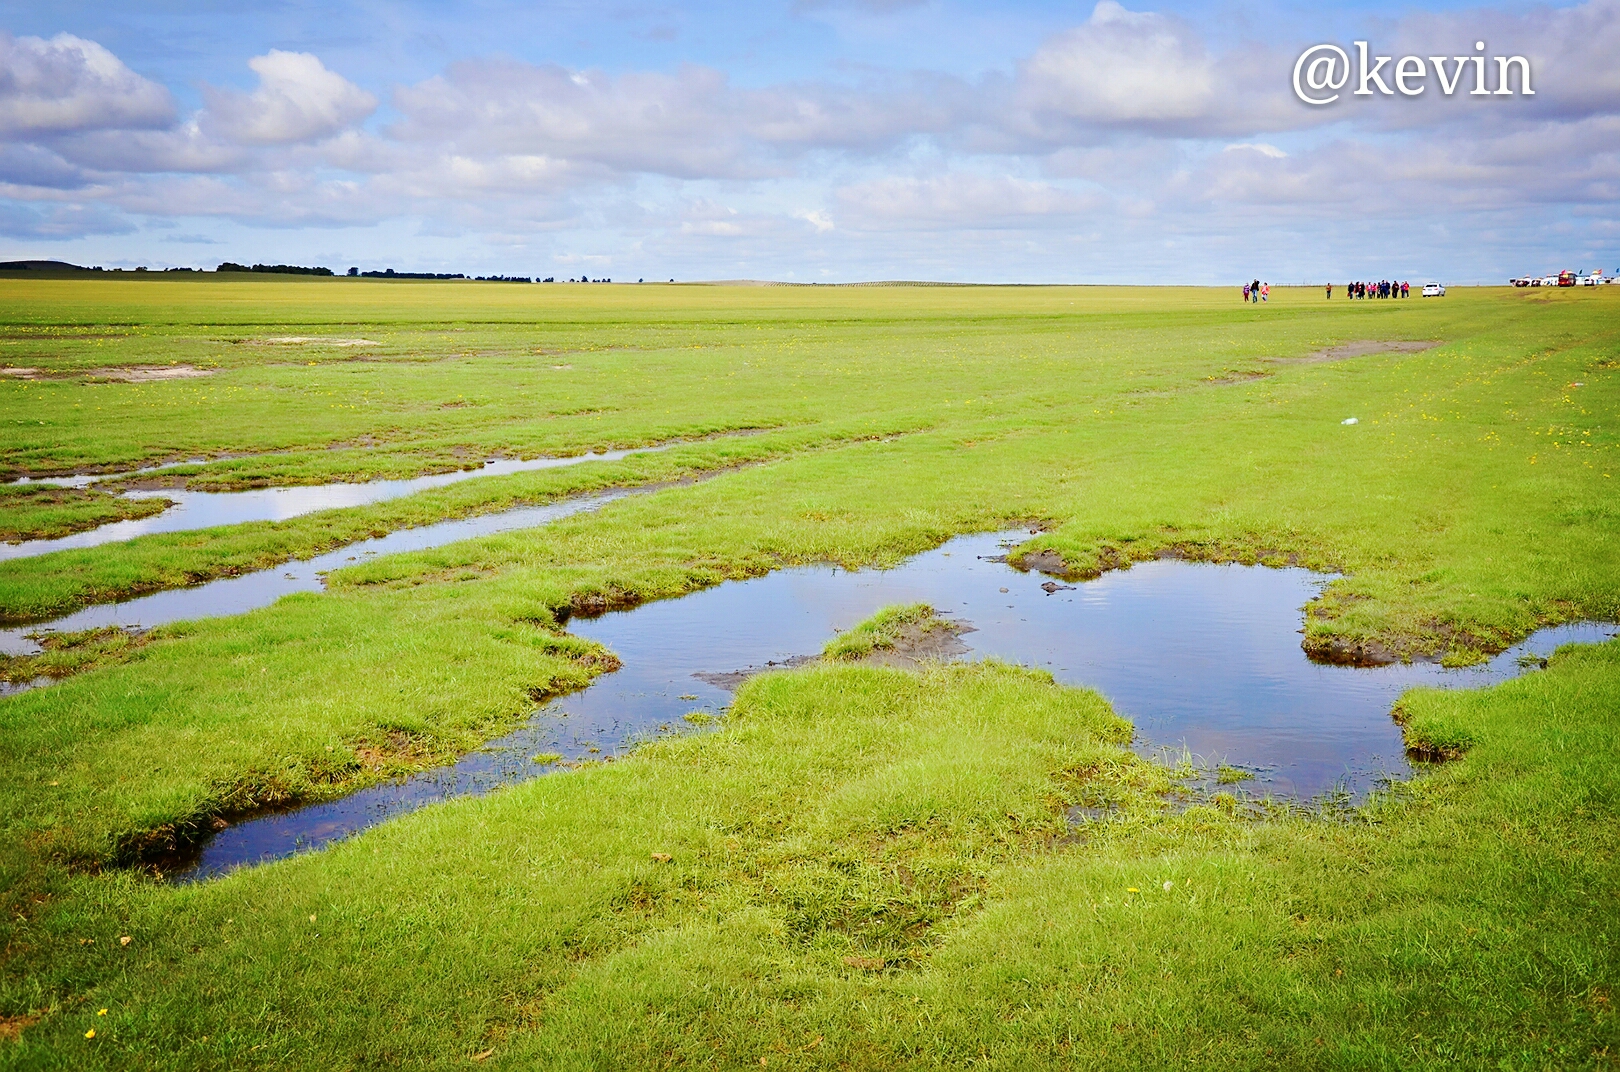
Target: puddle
(1200,657)
(238,595)
(207,509)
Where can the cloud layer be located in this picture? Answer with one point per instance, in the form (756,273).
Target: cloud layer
(1129,131)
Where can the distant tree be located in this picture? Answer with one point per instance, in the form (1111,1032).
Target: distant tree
(354,271)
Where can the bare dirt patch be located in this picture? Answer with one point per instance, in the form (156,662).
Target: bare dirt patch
(1359,348)
(314,340)
(11,1027)
(121,374)
(149,374)
(931,640)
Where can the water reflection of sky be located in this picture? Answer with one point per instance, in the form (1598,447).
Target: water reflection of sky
(208,509)
(1197,656)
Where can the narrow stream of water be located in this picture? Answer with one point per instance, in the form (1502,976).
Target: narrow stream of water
(238,595)
(1200,657)
(84,480)
(208,509)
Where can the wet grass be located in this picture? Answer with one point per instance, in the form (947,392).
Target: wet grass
(44,512)
(58,583)
(866,866)
(65,654)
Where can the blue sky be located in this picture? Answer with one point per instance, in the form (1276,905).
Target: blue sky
(830,140)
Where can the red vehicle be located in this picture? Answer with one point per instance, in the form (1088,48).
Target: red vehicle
(1566,279)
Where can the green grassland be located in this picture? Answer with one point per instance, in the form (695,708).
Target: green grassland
(868,866)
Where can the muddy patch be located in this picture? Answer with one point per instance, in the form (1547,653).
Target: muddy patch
(933,640)
(1359,348)
(312,340)
(115,374)
(732,680)
(1347,651)
(1048,562)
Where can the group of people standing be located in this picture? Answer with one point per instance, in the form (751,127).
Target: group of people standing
(1385,288)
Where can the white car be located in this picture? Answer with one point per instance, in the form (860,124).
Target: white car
(1434,290)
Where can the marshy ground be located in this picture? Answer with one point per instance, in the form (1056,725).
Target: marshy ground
(856,865)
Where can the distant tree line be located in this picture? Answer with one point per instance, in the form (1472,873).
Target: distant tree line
(272,269)
(293,269)
(391,274)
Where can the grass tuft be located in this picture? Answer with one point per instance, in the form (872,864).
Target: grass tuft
(879,632)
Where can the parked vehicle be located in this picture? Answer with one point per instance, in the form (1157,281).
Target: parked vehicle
(1566,278)
(1595,279)
(1523,281)
(1434,290)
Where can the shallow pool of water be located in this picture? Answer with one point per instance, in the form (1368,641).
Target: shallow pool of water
(208,509)
(1200,657)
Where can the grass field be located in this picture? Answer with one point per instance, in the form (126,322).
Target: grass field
(867,866)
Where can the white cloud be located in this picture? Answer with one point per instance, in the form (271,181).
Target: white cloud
(960,200)
(819,220)
(70,84)
(1121,66)
(1258,147)
(691,124)
(298,100)
(31,165)
(183,148)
